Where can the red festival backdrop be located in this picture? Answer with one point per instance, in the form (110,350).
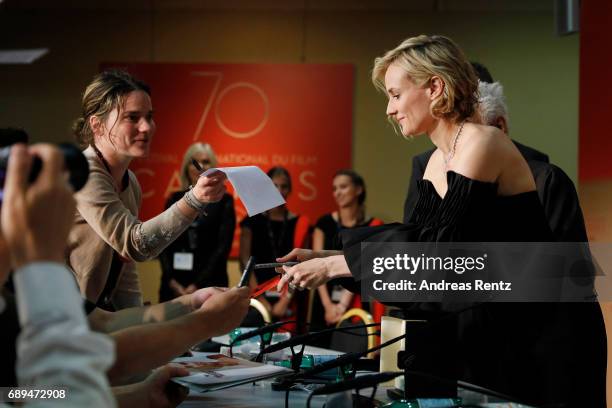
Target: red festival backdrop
(298,116)
(595,144)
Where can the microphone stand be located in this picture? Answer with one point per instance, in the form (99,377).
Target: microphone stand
(263,341)
(350,358)
(285,383)
(296,357)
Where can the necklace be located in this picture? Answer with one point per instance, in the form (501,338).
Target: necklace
(451,153)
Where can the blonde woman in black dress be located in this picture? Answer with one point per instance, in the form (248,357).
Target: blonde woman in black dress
(476,188)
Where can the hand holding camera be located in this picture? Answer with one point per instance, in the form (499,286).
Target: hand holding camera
(36,217)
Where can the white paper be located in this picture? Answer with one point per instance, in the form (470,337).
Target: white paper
(237,374)
(207,369)
(253,186)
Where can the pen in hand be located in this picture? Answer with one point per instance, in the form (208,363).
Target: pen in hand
(201,170)
(197,165)
(274,265)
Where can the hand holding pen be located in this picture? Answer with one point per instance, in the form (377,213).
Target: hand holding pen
(312,271)
(251,266)
(209,188)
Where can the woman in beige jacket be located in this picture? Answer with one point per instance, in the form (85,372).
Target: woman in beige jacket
(117,126)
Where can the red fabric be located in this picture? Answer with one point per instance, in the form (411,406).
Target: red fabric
(302,232)
(376,222)
(267,285)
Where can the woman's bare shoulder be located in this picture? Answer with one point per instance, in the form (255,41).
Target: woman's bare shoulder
(486,137)
(481,152)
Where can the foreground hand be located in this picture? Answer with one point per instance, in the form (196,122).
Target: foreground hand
(37,217)
(226,310)
(161,392)
(306,275)
(210,189)
(200,296)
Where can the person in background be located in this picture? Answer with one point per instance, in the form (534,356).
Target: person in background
(107,239)
(269,235)
(198,257)
(331,300)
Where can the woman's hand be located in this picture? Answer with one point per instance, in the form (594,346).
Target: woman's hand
(306,275)
(314,272)
(210,188)
(298,254)
(301,254)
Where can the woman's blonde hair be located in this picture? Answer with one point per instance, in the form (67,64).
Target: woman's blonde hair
(192,150)
(424,57)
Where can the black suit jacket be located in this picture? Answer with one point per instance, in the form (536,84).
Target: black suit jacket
(555,189)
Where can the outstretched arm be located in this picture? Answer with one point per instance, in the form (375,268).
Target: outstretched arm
(142,348)
(108,322)
(102,209)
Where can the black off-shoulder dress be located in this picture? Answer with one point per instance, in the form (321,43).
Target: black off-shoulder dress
(545,353)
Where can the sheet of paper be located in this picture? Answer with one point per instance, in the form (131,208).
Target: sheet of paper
(253,186)
(214,369)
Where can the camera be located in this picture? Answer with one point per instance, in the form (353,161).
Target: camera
(74,162)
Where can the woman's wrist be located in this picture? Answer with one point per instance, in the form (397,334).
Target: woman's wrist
(325,253)
(185,301)
(193,202)
(336,267)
